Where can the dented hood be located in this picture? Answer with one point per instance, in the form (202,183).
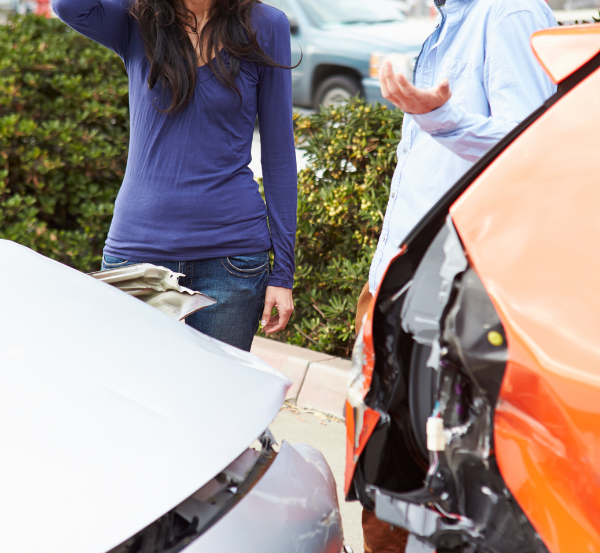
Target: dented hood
(111,413)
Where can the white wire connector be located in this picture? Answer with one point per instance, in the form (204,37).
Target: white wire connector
(436,440)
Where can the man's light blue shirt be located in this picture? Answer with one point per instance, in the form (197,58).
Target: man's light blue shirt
(483,48)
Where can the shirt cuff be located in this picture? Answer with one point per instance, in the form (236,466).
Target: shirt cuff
(440,120)
(281,282)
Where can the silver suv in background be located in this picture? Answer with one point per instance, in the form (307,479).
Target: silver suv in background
(343,43)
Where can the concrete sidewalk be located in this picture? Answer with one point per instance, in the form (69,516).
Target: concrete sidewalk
(319,380)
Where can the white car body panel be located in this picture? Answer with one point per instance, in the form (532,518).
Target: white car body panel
(292,508)
(153,409)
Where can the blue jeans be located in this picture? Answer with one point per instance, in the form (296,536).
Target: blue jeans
(237,283)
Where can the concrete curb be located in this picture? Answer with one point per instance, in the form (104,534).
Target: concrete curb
(319,380)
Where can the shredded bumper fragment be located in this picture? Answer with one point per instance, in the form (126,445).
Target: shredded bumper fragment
(158,287)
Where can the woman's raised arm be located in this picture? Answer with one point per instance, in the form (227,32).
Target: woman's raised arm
(104,21)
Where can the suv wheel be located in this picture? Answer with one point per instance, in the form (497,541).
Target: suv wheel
(336,90)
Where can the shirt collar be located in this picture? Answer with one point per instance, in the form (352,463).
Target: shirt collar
(454,8)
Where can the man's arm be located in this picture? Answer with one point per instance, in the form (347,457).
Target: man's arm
(515,83)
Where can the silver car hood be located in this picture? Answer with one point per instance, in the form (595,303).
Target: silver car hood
(111,413)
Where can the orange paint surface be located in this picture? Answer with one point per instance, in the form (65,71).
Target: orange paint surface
(44,8)
(563,50)
(531,227)
(370,422)
(370,416)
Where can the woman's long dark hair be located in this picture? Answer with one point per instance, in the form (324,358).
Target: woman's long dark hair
(164,26)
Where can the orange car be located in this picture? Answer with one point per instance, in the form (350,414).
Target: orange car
(473,416)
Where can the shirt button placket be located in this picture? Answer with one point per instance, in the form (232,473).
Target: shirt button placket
(404,150)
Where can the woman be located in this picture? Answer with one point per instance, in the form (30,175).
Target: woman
(200,71)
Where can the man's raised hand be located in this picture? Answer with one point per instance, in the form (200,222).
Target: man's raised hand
(397,90)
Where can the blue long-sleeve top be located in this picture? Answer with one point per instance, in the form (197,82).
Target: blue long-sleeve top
(188,193)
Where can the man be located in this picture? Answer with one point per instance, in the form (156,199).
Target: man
(488,81)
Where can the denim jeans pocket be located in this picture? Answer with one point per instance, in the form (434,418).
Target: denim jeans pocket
(248,265)
(111,262)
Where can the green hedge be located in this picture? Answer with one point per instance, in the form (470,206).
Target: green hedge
(63,148)
(63,139)
(342,199)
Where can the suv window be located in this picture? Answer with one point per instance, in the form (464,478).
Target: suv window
(284,6)
(333,13)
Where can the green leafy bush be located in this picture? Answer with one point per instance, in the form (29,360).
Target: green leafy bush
(64,131)
(342,199)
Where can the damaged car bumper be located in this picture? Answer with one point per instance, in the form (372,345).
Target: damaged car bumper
(428,464)
(265,501)
(293,507)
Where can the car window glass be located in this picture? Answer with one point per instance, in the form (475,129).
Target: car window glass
(332,13)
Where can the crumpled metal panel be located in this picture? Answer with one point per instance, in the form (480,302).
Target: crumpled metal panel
(158,287)
(111,414)
(293,508)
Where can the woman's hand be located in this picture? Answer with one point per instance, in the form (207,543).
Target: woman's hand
(397,89)
(281,299)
